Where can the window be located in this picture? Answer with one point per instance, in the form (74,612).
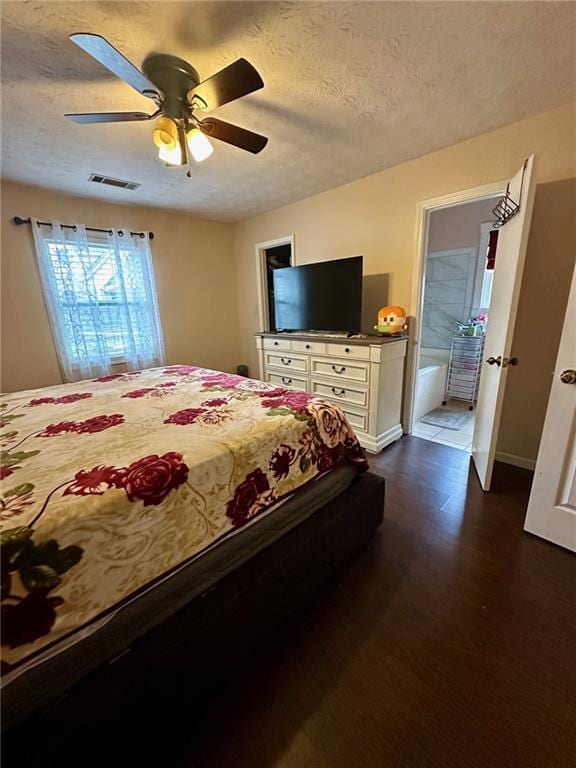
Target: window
(101,297)
(98,265)
(484,277)
(486,292)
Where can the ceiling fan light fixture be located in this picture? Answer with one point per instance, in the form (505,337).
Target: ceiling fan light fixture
(175,87)
(165,134)
(199,146)
(171,156)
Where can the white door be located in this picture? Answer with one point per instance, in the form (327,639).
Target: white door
(552,506)
(510,255)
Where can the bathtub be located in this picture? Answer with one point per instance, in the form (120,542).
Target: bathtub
(430,381)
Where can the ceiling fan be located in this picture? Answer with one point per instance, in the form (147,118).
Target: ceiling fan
(175,87)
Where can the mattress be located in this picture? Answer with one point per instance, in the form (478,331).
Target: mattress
(44,683)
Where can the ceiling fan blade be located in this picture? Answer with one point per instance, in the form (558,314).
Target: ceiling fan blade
(236,80)
(233,134)
(108,117)
(105,53)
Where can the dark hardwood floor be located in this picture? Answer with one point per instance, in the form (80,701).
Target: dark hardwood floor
(448,642)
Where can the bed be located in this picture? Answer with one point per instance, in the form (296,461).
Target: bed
(138,504)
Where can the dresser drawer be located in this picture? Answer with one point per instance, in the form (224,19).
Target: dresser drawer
(316,347)
(291,382)
(343,394)
(358,421)
(286,361)
(346,370)
(283,344)
(349,350)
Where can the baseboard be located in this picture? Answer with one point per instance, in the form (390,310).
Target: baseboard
(516,461)
(376,444)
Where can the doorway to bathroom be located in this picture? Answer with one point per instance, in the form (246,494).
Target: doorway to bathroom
(456,289)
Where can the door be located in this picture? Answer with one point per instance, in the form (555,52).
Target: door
(512,242)
(552,506)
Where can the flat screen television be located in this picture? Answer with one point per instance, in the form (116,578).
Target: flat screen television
(325,296)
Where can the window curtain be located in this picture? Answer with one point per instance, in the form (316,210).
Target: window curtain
(101,299)
(142,333)
(64,263)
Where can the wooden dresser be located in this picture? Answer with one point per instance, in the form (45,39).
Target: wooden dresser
(364,376)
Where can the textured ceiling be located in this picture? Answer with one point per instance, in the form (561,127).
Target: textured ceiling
(350,88)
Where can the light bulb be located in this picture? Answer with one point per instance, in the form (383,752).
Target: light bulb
(171,156)
(199,146)
(165,134)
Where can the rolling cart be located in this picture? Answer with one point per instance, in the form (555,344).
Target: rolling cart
(464,369)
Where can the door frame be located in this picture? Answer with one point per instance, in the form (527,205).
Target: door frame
(424,210)
(260,251)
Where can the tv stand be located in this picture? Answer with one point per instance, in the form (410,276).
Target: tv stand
(363,375)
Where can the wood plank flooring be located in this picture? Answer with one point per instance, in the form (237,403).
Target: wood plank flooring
(449,642)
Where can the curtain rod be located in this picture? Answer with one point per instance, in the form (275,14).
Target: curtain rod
(18,220)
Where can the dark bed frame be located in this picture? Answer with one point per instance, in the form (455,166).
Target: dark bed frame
(187,651)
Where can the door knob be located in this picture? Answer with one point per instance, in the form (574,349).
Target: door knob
(568,376)
(494,360)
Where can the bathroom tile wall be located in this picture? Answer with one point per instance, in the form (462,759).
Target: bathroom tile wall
(448,292)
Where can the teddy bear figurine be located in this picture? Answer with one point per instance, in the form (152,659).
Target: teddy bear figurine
(391,320)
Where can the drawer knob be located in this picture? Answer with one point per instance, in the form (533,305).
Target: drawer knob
(338,392)
(342,369)
(275,343)
(286,381)
(285,361)
(347,349)
(307,346)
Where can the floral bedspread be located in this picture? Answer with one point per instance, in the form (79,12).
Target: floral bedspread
(109,484)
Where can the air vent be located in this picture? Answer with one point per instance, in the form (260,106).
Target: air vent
(99,179)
